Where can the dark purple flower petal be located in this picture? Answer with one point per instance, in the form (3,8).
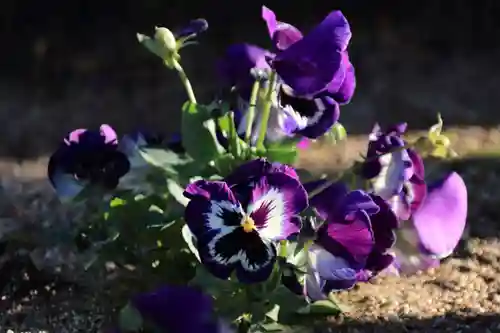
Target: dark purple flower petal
(237,63)
(255,169)
(192,29)
(358,200)
(282,34)
(315,62)
(87,157)
(383,224)
(212,209)
(440,221)
(345,92)
(321,113)
(327,200)
(176,309)
(276,200)
(251,256)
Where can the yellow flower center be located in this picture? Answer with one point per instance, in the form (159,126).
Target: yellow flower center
(248,224)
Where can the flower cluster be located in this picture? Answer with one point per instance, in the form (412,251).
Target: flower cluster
(265,245)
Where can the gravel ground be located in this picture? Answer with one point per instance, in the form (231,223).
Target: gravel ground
(462,295)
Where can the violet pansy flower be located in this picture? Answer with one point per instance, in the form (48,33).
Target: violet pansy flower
(396,173)
(178,309)
(87,157)
(353,242)
(234,235)
(435,228)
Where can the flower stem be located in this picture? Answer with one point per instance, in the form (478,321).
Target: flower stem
(266,110)
(251,110)
(185,81)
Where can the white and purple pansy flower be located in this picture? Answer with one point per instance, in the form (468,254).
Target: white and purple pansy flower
(435,229)
(396,173)
(87,157)
(178,309)
(235,236)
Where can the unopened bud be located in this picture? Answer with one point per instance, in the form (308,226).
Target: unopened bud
(165,39)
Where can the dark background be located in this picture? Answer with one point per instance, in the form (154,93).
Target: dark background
(67,64)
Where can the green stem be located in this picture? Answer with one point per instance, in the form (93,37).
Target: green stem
(266,110)
(251,110)
(185,81)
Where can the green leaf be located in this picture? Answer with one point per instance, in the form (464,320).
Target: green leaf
(199,133)
(189,239)
(177,192)
(129,319)
(283,152)
(322,307)
(225,164)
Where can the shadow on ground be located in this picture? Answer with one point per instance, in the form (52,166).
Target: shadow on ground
(450,322)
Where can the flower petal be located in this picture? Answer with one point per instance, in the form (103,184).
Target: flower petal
(283,34)
(394,171)
(65,185)
(314,62)
(238,61)
(383,224)
(176,309)
(246,252)
(74,136)
(192,29)
(359,200)
(212,209)
(345,92)
(327,200)
(353,241)
(441,219)
(257,168)
(109,134)
(276,199)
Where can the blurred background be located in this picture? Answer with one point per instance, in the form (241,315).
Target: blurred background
(67,64)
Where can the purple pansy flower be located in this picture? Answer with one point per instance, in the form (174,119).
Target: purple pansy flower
(87,157)
(317,62)
(315,75)
(179,309)
(396,173)
(435,228)
(235,223)
(352,245)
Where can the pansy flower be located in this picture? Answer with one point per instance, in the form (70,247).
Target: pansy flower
(396,173)
(178,309)
(87,157)
(353,242)
(435,228)
(234,235)
(314,71)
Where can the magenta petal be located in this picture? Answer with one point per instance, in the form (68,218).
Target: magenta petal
(74,136)
(109,134)
(354,240)
(441,219)
(417,163)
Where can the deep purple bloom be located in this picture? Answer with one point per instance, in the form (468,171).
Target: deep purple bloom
(192,29)
(396,173)
(436,227)
(178,309)
(235,223)
(352,245)
(315,75)
(87,157)
(317,62)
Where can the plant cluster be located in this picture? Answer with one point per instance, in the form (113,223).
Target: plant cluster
(222,232)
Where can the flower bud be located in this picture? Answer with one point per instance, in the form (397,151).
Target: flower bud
(165,39)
